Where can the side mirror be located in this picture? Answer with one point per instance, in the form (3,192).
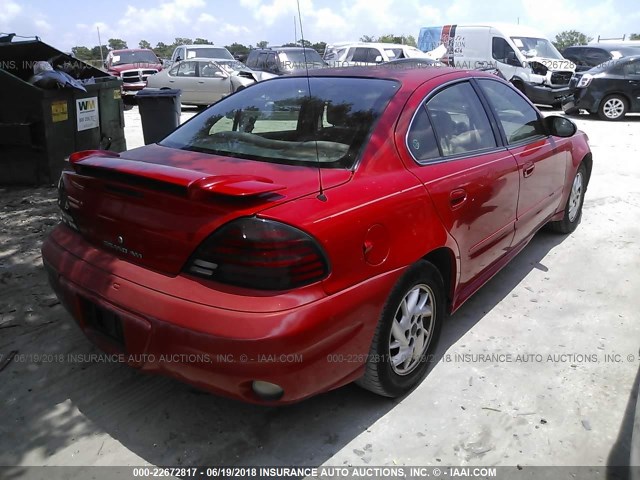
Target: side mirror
(379,59)
(178,59)
(560,126)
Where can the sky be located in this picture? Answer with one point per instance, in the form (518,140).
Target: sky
(74,22)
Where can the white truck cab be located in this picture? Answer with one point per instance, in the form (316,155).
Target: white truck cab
(521,54)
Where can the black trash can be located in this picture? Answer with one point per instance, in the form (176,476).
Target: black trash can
(160,112)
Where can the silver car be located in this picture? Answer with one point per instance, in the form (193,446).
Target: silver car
(204,81)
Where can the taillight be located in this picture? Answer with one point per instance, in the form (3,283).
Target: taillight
(261,254)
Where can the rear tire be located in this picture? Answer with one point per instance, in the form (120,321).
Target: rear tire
(613,107)
(573,207)
(407,333)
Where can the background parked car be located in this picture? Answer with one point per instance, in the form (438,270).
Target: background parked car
(367,53)
(610,90)
(186,52)
(133,66)
(588,56)
(284,60)
(204,81)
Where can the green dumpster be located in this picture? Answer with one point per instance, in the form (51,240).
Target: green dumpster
(41,127)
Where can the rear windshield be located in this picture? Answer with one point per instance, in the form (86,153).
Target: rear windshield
(295,59)
(202,52)
(277,121)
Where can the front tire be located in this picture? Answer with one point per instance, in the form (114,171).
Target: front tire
(573,207)
(613,107)
(407,332)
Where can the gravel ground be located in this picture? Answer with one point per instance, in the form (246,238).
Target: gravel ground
(576,295)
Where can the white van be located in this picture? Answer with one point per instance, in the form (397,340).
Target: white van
(367,53)
(522,55)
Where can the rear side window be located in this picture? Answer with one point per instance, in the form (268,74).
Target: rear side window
(519,119)
(461,125)
(632,69)
(421,141)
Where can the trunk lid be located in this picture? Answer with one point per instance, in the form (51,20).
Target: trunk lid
(154,205)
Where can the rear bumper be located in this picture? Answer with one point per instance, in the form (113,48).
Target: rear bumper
(545,94)
(315,346)
(584,99)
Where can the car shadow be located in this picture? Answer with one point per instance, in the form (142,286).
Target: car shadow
(84,400)
(620,455)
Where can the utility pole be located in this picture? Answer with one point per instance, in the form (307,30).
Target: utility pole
(295,30)
(100,44)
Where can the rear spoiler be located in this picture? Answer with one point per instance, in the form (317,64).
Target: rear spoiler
(193,184)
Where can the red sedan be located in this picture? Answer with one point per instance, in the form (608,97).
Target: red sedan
(308,232)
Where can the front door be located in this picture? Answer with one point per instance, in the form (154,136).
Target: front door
(541,163)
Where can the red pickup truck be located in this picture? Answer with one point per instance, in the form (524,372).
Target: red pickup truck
(133,66)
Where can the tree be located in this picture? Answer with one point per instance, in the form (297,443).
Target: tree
(163,50)
(144,44)
(237,49)
(401,39)
(367,38)
(262,44)
(117,44)
(634,36)
(304,43)
(83,53)
(319,47)
(182,41)
(569,38)
(95,52)
(202,41)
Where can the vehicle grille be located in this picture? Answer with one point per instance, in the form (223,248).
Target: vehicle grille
(561,78)
(137,76)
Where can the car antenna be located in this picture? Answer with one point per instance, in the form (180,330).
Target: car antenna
(321,196)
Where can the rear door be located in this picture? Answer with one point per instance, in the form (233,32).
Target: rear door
(541,162)
(472,181)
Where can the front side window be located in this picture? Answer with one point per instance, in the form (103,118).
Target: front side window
(279,122)
(502,51)
(210,69)
(187,69)
(461,125)
(519,120)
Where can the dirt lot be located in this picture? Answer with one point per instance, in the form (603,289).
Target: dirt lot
(565,312)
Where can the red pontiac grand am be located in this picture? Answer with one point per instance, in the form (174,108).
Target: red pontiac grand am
(308,232)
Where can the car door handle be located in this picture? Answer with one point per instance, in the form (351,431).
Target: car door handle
(200,81)
(528,169)
(457,197)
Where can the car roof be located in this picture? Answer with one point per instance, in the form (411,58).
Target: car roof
(609,47)
(409,77)
(132,50)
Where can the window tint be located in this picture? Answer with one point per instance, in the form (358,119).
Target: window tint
(519,120)
(187,69)
(252,61)
(276,122)
(360,55)
(596,56)
(501,50)
(374,53)
(421,140)
(460,122)
(632,68)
